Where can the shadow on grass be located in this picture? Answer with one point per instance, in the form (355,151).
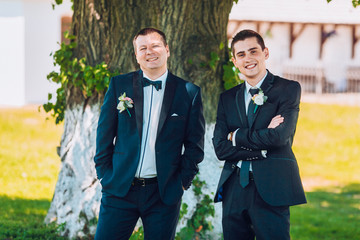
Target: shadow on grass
(331,213)
(24,219)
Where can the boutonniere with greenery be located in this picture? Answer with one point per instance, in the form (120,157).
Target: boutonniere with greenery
(125,103)
(259,99)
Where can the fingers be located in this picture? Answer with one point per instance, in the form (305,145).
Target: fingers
(276,121)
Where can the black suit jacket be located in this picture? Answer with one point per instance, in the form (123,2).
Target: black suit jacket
(277,176)
(181,124)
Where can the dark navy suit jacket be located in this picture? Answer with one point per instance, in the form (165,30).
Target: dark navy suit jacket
(276,177)
(181,124)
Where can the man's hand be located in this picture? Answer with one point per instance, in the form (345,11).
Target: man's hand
(230,136)
(276,121)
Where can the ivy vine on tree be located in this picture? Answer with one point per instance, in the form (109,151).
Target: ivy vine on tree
(76,73)
(355,3)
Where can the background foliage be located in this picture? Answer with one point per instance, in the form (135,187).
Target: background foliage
(354,2)
(75,73)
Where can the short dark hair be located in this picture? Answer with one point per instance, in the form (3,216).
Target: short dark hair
(244,34)
(149,30)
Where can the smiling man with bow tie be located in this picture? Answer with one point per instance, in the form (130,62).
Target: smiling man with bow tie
(254,132)
(150,139)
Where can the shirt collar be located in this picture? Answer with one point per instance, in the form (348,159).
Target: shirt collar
(248,86)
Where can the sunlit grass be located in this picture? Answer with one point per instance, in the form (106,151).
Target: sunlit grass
(28,160)
(28,172)
(327,144)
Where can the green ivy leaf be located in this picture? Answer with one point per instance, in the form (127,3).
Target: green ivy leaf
(221,47)
(74,73)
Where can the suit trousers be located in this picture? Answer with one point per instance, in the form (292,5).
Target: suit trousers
(118,216)
(246,214)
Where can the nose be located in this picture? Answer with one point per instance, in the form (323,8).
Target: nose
(149,50)
(247,57)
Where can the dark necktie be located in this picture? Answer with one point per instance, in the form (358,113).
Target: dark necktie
(253,91)
(245,165)
(148,82)
(251,107)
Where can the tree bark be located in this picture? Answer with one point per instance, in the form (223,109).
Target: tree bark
(194,29)
(104,31)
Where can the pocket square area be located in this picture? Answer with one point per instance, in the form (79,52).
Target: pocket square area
(174,115)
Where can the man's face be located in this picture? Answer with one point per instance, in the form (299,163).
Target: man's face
(250,59)
(151,53)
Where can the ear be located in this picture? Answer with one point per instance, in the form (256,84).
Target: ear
(233,60)
(167,50)
(266,51)
(136,57)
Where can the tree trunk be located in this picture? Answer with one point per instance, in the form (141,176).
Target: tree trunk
(104,31)
(77,194)
(194,29)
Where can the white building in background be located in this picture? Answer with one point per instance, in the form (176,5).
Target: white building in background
(305,34)
(29,31)
(301,33)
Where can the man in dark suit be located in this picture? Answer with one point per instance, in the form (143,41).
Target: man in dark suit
(254,135)
(150,139)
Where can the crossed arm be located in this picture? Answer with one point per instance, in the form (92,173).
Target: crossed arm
(250,142)
(276,121)
(283,132)
(224,148)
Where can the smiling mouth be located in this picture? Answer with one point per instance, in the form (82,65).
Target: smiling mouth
(152,59)
(251,66)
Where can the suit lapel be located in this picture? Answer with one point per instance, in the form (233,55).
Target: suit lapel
(138,100)
(268,83)
(169,93)
(240,104)
(265,86)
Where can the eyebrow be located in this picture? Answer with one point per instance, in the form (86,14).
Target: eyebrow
(250,49)
(144,45)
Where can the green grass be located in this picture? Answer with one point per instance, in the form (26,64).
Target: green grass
(28,159)
(28,172)
(24,219)
(331,214)
(327,146)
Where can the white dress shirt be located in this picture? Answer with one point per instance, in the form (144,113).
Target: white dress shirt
(247,101)
(153,100)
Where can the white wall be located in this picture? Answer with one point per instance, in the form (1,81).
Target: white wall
(306,47)
(30,31)
(42,34)
(12,54)
(337,56)
(278,43)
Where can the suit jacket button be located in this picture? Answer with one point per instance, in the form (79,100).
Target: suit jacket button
(233,166)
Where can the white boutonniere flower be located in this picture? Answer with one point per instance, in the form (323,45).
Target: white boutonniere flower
(259,99)
(125,103)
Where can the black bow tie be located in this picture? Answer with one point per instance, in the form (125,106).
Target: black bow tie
(253,91)
(148,82)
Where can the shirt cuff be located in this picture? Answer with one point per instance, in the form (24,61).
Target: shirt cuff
(263,153)
(234,137)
